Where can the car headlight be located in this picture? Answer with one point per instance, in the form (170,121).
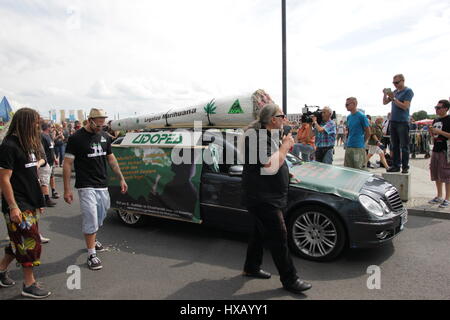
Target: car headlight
(371,205)
(384,206)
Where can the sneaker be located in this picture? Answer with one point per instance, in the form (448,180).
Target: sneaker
(35,291)
(99,247)
(444,204)
(405,170)
(44,239)
(393,169)
(50,203)
(94,262)
(436,200)
(5,280)
(55,195)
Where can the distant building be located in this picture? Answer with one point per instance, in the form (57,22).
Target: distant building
(295,117)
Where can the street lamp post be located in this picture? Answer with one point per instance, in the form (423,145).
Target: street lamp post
(284,76)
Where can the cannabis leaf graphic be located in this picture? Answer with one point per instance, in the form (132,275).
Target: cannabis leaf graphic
(210,108)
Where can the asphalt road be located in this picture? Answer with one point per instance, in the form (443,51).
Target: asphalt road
(172,260)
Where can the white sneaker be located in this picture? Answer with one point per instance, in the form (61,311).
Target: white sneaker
(44,239)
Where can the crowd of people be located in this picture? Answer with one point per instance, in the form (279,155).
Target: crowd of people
(363,137)
(27,161)
(32,148)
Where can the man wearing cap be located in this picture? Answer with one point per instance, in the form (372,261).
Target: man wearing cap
(90,149)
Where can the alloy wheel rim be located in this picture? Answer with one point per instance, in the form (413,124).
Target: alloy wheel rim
(314,234)
(128,217)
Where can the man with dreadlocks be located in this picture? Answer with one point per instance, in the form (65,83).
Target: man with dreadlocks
(22,199)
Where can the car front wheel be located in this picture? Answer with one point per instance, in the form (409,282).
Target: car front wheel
(315,233)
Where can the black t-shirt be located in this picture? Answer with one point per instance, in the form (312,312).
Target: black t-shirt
(259,188)
(49,148)
(24,179)
(90,151)
(440,142)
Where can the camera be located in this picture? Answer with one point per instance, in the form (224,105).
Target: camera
(307,114)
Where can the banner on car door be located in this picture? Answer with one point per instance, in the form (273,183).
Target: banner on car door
(156,185)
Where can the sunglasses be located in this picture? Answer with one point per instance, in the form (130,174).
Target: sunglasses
(97,126)
(283,116)
(397,82)
(437,107)
(347,104)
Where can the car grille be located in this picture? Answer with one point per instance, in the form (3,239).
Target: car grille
(394,200)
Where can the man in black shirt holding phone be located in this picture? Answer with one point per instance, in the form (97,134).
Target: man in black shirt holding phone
(265,180)
(440,164)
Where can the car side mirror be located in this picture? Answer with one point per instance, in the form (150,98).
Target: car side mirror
(236,170)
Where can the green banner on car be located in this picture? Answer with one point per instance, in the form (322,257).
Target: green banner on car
(156,185)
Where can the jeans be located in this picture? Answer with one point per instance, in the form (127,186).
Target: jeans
(305,150)
(60,150)
(324,155)
(269,225)
(400,143)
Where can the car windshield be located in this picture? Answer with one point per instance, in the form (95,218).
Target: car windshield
(293,160)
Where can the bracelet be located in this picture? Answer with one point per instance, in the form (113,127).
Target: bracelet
(13,206)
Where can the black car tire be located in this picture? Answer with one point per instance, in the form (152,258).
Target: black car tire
(327,234)
(131,219)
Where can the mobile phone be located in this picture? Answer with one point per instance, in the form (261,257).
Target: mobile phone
(286,130)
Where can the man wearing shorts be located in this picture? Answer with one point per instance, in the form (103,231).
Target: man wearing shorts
(440,164)
(358,134)
(90,149)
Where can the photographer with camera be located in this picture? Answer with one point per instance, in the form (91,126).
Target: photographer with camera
(400,101)
(325,136)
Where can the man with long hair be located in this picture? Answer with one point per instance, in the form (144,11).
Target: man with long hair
(22,199)
(265,181)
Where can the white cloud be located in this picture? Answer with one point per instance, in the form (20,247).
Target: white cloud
(146,56)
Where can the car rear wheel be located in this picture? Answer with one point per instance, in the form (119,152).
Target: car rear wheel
(131,219)
(315,233)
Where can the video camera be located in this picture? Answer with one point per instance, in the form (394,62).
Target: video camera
(307,114)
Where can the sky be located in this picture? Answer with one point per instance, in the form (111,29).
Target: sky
(139,57)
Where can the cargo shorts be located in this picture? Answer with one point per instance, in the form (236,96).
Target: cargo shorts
(94,205)
(45,173)
(355,158)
